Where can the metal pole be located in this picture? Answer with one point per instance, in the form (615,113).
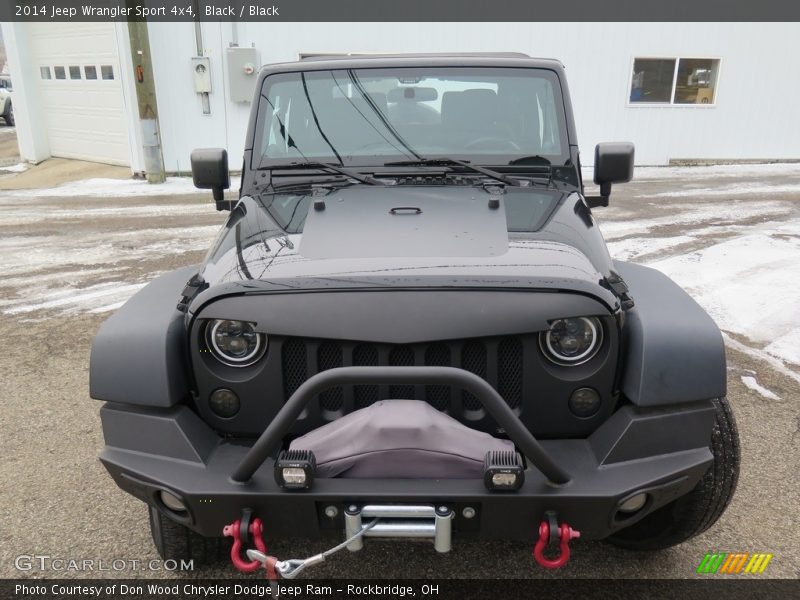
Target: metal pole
(146,100)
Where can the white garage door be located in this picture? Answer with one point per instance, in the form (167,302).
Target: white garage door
(80,90)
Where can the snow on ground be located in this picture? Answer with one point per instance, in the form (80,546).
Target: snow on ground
(709,172)
(115,188)
(71,299)
(23,214)
(633,247)
(749,284)
(24,257)
(733,189)
(17,168)
(753,384)
(692,214)
(55,273)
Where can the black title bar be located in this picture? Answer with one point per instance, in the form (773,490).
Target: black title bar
(398,10)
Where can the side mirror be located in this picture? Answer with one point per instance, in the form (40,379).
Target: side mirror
(613,163)
(210,172)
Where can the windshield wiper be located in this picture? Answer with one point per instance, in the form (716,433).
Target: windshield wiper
(368,179)
(444,162)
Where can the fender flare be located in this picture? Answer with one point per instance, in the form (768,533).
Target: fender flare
(672,349)
(139,355)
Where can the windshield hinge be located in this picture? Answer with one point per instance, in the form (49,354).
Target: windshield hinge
(617,284)
(193,287)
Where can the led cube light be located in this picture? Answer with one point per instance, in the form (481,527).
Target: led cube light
(503,470)
(294,469)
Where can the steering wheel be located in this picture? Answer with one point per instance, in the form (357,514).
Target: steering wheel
(492,142)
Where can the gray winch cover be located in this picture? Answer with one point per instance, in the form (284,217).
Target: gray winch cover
(399,439)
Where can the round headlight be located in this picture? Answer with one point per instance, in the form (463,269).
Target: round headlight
(235,343)
(572,341)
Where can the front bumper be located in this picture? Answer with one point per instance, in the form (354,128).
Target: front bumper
(662,451)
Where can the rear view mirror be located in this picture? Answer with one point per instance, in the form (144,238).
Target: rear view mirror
(413,94)
(210,172)
(613,163)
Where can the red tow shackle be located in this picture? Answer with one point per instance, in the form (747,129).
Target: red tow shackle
(255,529)
(566,533)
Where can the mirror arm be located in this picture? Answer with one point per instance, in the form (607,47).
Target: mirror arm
(602,199)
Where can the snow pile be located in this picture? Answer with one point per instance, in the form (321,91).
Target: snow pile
(750,285)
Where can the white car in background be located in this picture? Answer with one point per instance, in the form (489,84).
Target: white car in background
(6,107)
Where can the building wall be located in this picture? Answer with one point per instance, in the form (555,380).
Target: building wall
(757,92)
(755,115)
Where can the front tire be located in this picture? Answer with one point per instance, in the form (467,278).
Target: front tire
(9,117)
(698,510)
(177,542)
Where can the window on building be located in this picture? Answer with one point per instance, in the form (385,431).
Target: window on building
(74,72)
(45,72)
(652,80)
(696,81)
(107,72)
(60,72)
(674,81)
(90,72)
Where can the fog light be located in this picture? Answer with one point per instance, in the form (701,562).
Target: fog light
(584,402)
(503,470)
(294,469)
(224,403)
(171,501)
(633,504)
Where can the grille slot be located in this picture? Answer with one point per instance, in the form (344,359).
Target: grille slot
(509,371)
(438,396)
(329,356)
(473,359)
(498,360)
(295,365)
(365,355)
(401,356)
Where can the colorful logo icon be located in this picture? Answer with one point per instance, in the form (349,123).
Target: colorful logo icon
(733,563)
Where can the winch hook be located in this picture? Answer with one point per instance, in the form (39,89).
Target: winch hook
(563,533)
(255,530)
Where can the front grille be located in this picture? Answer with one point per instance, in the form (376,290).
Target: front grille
(329,356)
(499,360)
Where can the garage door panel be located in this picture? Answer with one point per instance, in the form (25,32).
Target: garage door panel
(84,118)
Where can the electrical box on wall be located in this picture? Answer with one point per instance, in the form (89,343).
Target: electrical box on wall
(242,73)
(201,68)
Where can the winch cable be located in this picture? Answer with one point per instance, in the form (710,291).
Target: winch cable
(289,569)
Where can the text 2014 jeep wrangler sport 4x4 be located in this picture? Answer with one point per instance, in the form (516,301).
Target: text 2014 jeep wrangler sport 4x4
(410,327)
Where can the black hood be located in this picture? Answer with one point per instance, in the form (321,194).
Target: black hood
(409,237)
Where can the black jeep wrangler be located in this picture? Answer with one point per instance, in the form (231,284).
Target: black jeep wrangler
(410,327)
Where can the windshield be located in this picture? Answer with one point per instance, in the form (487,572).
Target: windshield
(488,116)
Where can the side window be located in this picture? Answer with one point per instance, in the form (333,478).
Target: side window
(90,72)
(44,72)
(107,72)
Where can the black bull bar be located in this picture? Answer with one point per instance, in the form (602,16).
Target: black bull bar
(485,393)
